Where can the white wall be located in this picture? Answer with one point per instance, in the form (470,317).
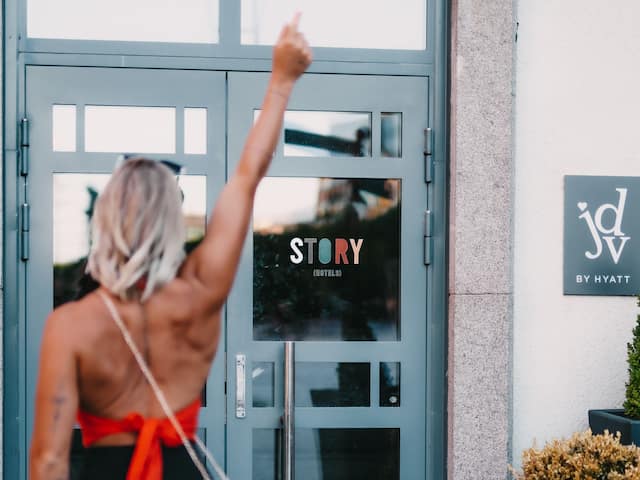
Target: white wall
(577,112)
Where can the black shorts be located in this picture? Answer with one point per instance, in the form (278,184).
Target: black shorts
(112,463)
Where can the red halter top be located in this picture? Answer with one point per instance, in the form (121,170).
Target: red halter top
(146,463)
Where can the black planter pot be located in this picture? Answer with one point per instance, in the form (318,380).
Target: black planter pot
(615,421)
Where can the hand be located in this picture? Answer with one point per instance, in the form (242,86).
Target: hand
(291,54)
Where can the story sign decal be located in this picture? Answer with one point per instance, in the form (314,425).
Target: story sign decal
(343,251)
(601,235)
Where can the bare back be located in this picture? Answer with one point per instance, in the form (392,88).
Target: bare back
(176,332)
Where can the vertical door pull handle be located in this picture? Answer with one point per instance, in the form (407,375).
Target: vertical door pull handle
(289,406)
(241,387)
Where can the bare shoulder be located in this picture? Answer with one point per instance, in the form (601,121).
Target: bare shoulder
(64,319)
(63,334)
(75,321)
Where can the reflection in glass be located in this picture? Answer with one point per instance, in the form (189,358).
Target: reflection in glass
(391,135)
(330,454)
(74,197)
(194,207)
(339,24)
(63,128)
(326,259)
(195,131)
(195,21)
(326,134)
(327,384)
(263,384)
(121,129)
(266,454)
(390,384)
(321,134)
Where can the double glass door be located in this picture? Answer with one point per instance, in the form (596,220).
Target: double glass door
(332,262)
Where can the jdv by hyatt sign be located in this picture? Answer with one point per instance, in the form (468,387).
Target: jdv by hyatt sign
(602,235)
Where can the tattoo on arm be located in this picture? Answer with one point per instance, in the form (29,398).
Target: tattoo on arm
(58,400)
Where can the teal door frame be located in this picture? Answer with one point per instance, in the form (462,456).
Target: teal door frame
(21,52)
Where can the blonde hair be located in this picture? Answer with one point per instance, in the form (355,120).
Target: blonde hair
(138,230)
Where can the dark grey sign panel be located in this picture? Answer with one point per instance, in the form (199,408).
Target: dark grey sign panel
(601,235)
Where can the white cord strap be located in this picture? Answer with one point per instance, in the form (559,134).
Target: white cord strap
(161,398)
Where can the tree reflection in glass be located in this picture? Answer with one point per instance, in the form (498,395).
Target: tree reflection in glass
(326,259)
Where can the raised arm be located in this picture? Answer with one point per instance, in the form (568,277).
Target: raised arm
(215,261)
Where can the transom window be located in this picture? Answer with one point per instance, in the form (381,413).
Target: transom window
(368,24)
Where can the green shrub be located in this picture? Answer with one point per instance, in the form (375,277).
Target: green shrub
(582,457)
(632,397)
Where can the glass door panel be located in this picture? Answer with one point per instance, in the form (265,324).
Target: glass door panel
(326,266)
(330,453)
(331,264)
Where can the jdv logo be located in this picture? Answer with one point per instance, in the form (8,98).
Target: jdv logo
(613,237)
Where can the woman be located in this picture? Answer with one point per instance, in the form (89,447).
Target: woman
(169,304)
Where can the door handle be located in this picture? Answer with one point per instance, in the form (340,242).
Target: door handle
(289,413)
(241,385)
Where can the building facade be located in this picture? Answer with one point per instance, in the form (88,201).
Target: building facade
(408,238)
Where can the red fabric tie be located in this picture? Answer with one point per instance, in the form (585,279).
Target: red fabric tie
(146,463)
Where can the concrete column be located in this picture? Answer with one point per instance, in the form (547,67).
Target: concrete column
(481,284)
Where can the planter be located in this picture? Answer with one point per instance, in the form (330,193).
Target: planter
(615,421)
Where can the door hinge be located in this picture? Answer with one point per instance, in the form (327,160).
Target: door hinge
(226,390)
(428,237)
(25,228)
(428,155)
(24,147)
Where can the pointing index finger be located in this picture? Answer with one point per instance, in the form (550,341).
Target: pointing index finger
(293,25)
